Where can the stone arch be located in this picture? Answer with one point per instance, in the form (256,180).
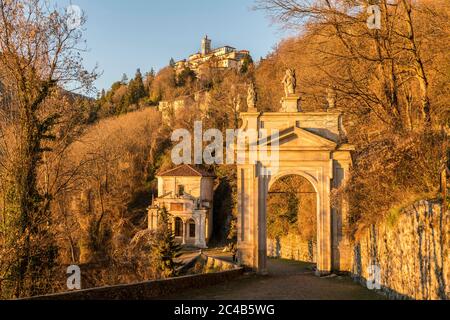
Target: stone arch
(293,172)
(309,146)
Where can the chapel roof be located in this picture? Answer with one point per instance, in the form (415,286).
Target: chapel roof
(186,170)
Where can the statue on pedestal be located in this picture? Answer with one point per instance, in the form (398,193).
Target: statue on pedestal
(252,97)
(291,101)
(289,82)
(331,98)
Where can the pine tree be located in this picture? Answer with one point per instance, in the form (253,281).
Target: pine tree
(164,248)
(136,90)
(172,62)
(139,88)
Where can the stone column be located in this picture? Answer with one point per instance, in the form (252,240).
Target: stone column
(324,241)
(261,220)
(247,201)
(342,248)
(153,219)
(252,218)
(200,226)
(184,233)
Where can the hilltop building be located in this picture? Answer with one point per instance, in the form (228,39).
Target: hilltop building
(187,193)
(168,109)
(222,58)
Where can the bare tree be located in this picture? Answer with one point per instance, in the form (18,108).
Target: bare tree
(390,83)
(39,57)
(378,68)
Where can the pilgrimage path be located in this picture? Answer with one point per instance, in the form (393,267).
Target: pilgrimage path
(287,280)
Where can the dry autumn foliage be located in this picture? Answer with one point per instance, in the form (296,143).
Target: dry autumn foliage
(292,209)
(391,84)
(105,206)
(77,193)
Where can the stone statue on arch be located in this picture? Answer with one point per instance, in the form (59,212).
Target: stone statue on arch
(291,101)
(252,97)
(289,82)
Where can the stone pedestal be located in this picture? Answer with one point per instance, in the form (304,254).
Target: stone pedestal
(291,103)
(200,229)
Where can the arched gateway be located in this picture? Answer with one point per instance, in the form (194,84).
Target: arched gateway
(311,145)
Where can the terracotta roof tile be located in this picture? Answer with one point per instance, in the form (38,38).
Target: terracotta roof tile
(186,171)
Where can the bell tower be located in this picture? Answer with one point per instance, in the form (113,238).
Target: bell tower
(206,45)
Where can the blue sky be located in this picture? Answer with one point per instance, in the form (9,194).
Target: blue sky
(123,35)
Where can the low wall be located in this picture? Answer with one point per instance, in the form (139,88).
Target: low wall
(157,288)
(291,247)
(411,251)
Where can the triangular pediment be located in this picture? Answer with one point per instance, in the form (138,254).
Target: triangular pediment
(301,139)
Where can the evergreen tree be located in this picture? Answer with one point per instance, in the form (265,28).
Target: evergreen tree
(172,62)
(186,76)
(164,248)
(149,78)
(247,62)
(139,88)
(136,90)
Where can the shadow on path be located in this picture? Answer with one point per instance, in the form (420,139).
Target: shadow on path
(287,280)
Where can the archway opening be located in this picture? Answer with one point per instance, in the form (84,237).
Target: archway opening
(292,205)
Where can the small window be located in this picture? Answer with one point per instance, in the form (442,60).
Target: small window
(180,190)
(178,227)
(192,229)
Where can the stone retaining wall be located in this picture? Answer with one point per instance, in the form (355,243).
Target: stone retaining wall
(291,247)
(225,271)
(411,250)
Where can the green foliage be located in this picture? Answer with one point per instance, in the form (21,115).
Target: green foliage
(247,62)
(125,96)
(186,76)
(164,248)
(136,90)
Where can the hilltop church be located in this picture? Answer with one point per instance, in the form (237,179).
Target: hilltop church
(225,57)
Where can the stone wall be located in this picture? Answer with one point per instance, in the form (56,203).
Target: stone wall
(411,250)
(291,247)
(150,290)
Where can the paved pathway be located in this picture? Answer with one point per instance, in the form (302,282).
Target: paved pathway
(288,280)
